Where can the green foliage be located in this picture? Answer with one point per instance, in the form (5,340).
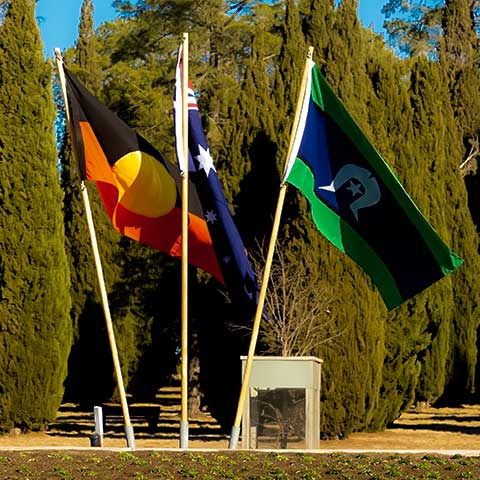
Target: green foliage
(245,67)
(426,182)
(85,50)
(34,285)
(317,25)
(458,55)
(249,152)
(390,118)
(91,346)
(350,387)
(146,304)
(413,26)
(345,66)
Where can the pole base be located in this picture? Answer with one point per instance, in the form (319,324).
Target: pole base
(130,437)
(184,434)
(233,443)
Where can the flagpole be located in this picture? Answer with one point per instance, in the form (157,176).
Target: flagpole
(130,438)
(235,433)
(184,313)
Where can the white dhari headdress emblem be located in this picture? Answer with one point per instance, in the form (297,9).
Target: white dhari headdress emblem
(349,172)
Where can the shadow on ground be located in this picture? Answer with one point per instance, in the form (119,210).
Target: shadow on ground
(152,421)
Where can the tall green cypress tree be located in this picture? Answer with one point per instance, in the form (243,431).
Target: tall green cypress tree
(345,62)
(425,180)
(132,318)
(34,298)
(290,66)
(352,369)
(464,240)
(458,55)
(84,281)
(354,355)
(292,59)
(143,101)
(390,117)
(317,25)
(247,162)
(448,364)
(253,127)
(91,346)
(85,48)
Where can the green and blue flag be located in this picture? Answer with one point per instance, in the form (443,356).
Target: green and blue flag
(356,201)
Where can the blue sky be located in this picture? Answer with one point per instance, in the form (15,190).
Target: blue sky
(59,19)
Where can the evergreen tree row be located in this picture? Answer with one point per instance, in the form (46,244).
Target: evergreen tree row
(35,326)
(421,111)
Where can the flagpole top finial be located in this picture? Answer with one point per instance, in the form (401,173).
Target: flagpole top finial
(310,52)
(58,53)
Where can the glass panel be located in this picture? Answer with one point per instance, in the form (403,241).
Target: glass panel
(277,418)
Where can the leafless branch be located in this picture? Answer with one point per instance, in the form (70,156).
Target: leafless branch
(469,165)
(298,304)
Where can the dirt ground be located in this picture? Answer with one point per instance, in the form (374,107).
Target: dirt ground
(234,465)
(426,430)
(428,444)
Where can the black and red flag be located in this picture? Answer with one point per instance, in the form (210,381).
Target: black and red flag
(139,188)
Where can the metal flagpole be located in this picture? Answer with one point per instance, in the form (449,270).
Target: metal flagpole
(130,438)
(184,313)
(235,433)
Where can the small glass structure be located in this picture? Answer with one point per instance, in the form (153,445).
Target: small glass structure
(282,408)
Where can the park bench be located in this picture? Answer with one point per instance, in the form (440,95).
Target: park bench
(139,413)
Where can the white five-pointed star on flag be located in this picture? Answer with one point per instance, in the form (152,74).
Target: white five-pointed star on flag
(205,160)
(354,188)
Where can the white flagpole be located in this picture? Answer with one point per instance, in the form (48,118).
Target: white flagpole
(130,438)
(235,433)
(184,313)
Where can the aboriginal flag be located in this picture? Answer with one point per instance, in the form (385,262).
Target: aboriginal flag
(357,202)
(139,188)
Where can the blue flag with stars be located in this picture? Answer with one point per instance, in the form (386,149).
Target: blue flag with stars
(238,276)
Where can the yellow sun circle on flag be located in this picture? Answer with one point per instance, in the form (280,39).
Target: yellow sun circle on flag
(145,186)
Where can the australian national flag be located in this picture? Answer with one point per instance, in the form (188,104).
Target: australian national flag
(238,276)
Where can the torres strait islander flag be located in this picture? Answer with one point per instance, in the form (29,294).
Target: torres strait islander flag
(240,280)
(140,190)
(358,204)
